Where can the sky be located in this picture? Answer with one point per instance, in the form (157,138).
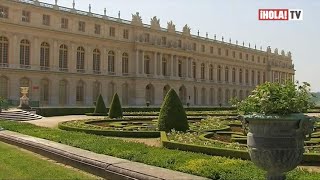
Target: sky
(233,19)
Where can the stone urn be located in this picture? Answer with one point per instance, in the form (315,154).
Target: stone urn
(276,143)
(24,100)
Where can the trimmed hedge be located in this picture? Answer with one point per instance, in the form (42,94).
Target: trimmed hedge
(100,106)
(134,134)
(115,110)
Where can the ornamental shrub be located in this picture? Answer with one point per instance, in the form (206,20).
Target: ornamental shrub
(115,110)
(100,106)
(172,114)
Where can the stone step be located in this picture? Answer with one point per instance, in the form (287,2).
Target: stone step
(19,115)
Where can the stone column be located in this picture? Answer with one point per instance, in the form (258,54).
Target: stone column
(142,64)
(88,60)
(137,62)
(160,65)
(35,56)
(171,66)
(71,92)
(187,67)
(54,92)
(72,60)
(118,63)
(14,51)
(155,60)
(88,93)
(55,56)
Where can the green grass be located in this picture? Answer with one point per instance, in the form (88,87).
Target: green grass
(194,163)
(17,164)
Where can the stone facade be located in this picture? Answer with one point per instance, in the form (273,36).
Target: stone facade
(67,57)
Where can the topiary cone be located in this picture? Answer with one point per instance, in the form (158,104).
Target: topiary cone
(115,110)
(172,114)
(100,106)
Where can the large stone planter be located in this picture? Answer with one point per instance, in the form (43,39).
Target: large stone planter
(276,143)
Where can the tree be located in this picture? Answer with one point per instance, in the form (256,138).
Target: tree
(115,110)
(172,114)
(100,106)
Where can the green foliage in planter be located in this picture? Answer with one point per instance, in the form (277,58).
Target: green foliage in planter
(276,98)
(115,110)
(100,106)
(172,114)
(4,105)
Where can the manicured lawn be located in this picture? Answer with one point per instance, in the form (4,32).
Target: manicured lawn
(18,164)
(194,163)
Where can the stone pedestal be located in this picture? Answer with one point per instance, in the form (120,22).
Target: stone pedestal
(24,100)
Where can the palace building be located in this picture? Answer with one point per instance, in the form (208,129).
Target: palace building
(67,57)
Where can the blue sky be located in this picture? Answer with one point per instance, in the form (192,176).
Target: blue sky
(233,19)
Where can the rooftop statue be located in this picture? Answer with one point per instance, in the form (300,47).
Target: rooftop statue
(269,49)
(283,53)
(171,27)
(186,30)
(136,19)
(276,51)
(155,23)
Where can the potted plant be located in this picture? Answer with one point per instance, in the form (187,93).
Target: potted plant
(3,104)
(277,126)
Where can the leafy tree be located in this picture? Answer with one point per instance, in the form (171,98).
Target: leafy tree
(115,110)
(172,114)
(100,106)
(3,104)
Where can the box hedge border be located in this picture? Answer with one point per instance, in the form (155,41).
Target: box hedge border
(225,152)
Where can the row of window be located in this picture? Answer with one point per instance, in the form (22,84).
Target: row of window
(63,57)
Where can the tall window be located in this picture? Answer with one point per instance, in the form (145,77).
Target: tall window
(4,51)
(111,62)
(125,34)
(227,52)
(63,58)
(211,72)
(25,53)
(125,63)
(252,57)
(226,74)
(64,23)
(3,87)
(258,77)
(96,61)
(195,46)
(96,90)
(233,54)
(180,68)
(44,56)
(202,71)
(194,70)
(80,59)
(4,12)
(227,96)
(46,19)
(247,76)
(252,77)
(80,92)
(247,56)
(211,50)
(234,75)
(82,26)
(25,16)
(112,31)
(219,73)
(146,64)
(203,48)
(240,76)
(164,66)
(97,28)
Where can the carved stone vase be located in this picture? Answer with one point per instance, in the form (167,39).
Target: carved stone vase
(24,100)
(276,143)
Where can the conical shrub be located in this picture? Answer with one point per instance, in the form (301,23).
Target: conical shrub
(100,106)
(172,114)
(115,110)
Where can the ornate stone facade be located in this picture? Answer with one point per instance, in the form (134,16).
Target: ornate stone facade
(67,57)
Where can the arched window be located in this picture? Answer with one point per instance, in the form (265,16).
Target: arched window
(211,96)
(96,89)
(264,77)
(203,71)
(227,96)
(211,72)
(258,77)
(180,68)
(4,87)
(44,56)
(194,70)
(96,61)
(146,64)
(125,94)
(252,77)
(80,92)
(111,91)
(240,76)
(63,58)
(233,75)
(203,96)
(183,94)
(111,62)
(24,54)
(226,74)
(4,51)
(44,92)
(234,93)
(164,66)
(125,63)
(219,73)
(63,92)
(195,95)
(80,59)
(165,90)
(220,96)
(247,76)
(150,94)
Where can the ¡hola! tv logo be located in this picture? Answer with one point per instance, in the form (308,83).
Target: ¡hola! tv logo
(280,14)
